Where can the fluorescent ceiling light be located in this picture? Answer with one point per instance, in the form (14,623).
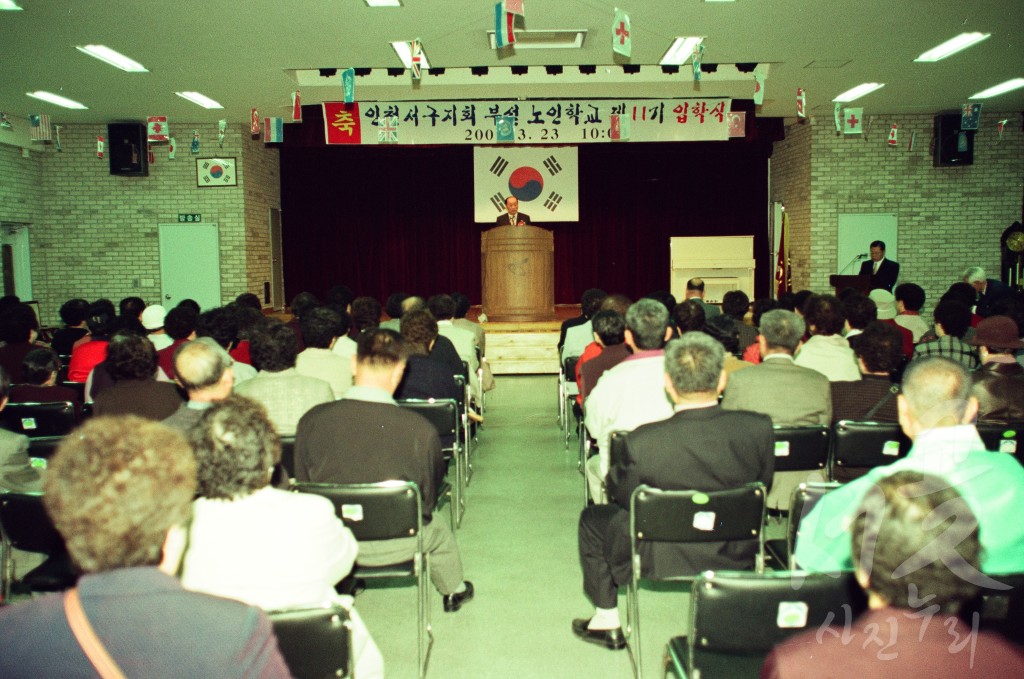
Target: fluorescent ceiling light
(56,99)
(9,5)
(858,92)
(1001,88)
(384,3)
(114,58)
(680,51)
(952,46)
(404,53)
(200,99)
(545,38)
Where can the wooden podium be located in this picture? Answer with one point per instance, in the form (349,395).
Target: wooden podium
(840,283)
(518,273)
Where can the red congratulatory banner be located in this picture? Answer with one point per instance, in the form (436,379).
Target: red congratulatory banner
(341,123)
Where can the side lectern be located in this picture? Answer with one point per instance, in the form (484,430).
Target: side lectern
(860,283)
(518,273)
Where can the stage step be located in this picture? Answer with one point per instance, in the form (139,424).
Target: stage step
(522,352)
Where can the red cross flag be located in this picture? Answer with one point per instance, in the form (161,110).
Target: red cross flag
(801,102)
(622,41)
(156,129)
(853,120)
(892,136)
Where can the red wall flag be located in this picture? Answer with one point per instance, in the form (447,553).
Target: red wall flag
(341,123)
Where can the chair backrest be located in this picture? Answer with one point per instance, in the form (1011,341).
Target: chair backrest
(737,617)
(315,642)
(569,368)
(801,448)
(1004,438)
(443,413)
(77,386)
(38,420)
(1000,611)
(288,455)
(373,511)
(805,497)
(616,447)
(868,444)
(25,524)
(692,516)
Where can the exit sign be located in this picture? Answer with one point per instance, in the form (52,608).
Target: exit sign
(189,218)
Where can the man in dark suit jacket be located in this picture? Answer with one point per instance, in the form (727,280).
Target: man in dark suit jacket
(989,290)
(701,447)
(366,438)
(513,216)
(883,272)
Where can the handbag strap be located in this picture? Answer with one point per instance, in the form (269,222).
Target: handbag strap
(893,390)
(87,639)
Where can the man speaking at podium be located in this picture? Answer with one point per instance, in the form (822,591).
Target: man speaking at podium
(513,216)
(883,271)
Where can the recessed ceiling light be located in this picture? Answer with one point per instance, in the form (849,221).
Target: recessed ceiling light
(9,5)
(113,57)
(56,99)
(404,53)
(545,38)
(858,92)
(680,51)
(952,46)
(1001,88)
(384,3)
(201,99)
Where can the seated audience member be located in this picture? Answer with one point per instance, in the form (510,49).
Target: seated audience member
(424,377)
(19,328)
(909,300)
(724,329)
(247,319)
(860,310)
(321,328)
(787,301)
(965,293)
(800,298)
(620,305)
(935,411)
(131,363)
(695,290)
(663,296)
(885,303)
(633,392)
(39,371)
(366,438)
(827,351)
(736,304)
(365,315)
(988,290)
(688,316)
(752,352)
(610,333)
(462,306)
(16,471)
(191,304)
(248,299)
(286,394)
(393,308)
(72,315)
(340,297)
(204,370)
(873,396)
(578,336)
(180,326)
(999,382)
(93,351)
(120,493)
(153,318)
(222,325)
(345,346)
(952,321)
(917,555)
(701,447)
(301,303)
(443,309)
(229,554)
(130,315)
(591,299)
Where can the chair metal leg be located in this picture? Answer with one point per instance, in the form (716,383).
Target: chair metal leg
(424,634)
(632,631)
(6,571)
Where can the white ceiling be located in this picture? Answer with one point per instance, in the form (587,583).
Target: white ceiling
(247,53)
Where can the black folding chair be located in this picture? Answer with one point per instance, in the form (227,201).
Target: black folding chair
(799,449)
(316,642)
(737,617)
(386,511)
(999,609)
(863,445)
(688,516)
(1004,438)
(570,389)
(444,415)
(45,424)
(804,498)
(25,525)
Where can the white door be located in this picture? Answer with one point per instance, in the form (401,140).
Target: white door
(190,264)
(17,266)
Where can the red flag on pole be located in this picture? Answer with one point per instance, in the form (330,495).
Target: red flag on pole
(782,273)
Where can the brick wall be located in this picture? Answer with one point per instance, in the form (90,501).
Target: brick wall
(96,235)
(948,218)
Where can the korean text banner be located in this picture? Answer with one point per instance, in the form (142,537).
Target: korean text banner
(567,121)
(545,179)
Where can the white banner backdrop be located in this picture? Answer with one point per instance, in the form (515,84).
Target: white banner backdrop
(545,179)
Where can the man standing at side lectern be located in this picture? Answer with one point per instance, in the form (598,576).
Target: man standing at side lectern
(883,271)
(513,216)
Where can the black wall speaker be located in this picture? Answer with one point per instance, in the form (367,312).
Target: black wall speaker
(126,148)
(953,146)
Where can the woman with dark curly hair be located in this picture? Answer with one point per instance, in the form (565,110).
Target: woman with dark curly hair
(827,351)
(131,363)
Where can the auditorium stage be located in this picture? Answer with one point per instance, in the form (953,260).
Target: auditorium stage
(525,348)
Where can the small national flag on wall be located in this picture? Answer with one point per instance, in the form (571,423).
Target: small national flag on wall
(296,107)
(503,33)
(39,127)
(619,127)
(970,116)
(514,7)
(893,135)
(622,40)
(348,84)
(758,88)
(853,120)
(273,130)
(505,128)
(416,60)
(156,129)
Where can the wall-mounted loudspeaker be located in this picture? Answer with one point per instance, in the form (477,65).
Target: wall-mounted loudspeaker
(126,147)
(953,146)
